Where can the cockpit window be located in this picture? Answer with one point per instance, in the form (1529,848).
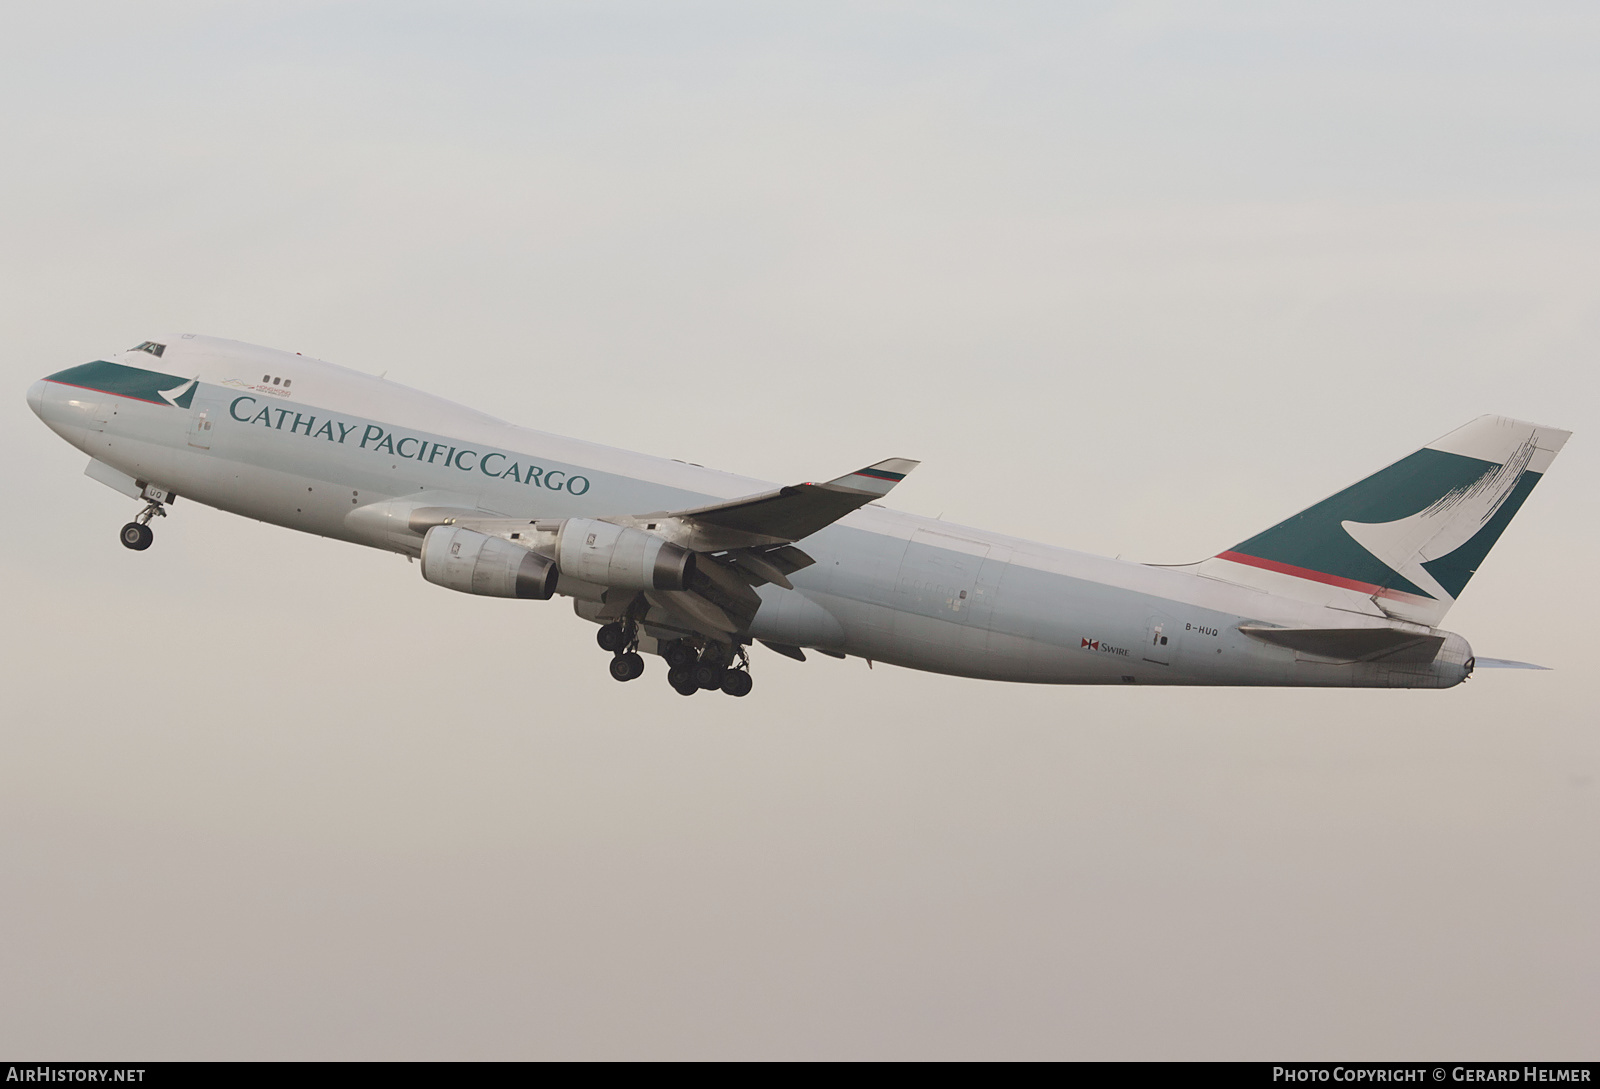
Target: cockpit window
(152,347)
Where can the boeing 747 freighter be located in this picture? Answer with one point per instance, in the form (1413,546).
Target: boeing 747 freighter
(696,565)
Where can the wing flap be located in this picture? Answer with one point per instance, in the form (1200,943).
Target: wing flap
(694,611)
(772,565)
(785,649)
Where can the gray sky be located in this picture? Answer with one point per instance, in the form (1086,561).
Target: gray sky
(1140,279)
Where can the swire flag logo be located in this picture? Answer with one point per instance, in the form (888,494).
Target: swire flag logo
(1090,644)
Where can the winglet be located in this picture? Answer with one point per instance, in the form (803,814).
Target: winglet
(877,479)
(789,514)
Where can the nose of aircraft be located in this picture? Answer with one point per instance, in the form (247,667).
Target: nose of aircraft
(36,398)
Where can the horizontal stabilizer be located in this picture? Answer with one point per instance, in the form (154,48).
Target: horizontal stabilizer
(1351,644)
(1504,663)
(795,512)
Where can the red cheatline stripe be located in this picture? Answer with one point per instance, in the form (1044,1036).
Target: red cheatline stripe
(1316,576)
(879,474)
(109,393)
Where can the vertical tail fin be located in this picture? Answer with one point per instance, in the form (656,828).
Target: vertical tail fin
(1405,541)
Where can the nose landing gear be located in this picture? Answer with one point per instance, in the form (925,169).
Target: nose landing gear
(137,534)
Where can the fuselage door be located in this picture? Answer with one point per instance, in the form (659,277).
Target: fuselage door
(200,430)
(939,575)
(987,588)
(1160,639)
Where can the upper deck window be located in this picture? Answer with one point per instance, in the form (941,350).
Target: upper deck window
(152,347)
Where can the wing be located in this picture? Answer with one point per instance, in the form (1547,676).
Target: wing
(739,545)
(745,543)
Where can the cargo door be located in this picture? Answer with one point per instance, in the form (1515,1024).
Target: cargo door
(96,421)
(98,416)
(939,576)
(980,613)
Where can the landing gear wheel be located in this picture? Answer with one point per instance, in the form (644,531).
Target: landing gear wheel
(626,667)
(708,677)
(680,654)
(682,681)
(736,682)
(136,536)
(612,637)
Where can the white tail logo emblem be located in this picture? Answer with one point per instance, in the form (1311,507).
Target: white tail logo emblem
(1407,543)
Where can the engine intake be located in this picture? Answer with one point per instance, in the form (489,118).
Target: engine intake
(620,556)
(475,563)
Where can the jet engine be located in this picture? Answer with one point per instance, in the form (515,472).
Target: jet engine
(475,563)
(620,556)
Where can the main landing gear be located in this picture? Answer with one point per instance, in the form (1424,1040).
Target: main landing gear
(689,668)
(620,639)
(137,534)
(718,666)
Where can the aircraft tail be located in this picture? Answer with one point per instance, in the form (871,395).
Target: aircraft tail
(1403,542)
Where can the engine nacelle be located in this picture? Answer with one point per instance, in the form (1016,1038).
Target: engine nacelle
(475,563)
(629,559)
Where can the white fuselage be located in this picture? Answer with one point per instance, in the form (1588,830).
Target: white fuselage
(345,455)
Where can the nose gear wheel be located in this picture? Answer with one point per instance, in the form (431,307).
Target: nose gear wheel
(137,534)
